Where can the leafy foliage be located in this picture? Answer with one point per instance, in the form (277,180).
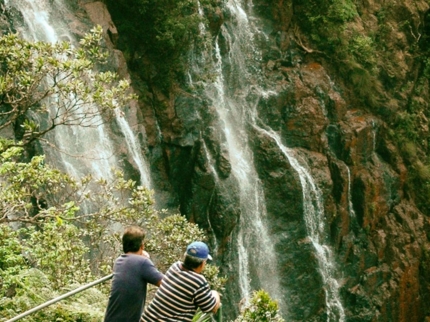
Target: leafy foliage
(63,244)
(342,11)
(260,308)
(331,28)
(170,28)
(41,79)
(167,233)
(32,287)
(56,232)
(201,317)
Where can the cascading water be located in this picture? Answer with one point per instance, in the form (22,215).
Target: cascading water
(350,205)
(314,218)
(237,85)
(228,95)
(133,147)
(89,149)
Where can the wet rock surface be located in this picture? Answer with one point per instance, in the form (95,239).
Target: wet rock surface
(376,232)
(379,237)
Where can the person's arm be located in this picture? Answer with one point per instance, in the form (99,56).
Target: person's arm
(206,299)
(151,274)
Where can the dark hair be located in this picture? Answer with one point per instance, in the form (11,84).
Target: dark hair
(132,239)
(192,262)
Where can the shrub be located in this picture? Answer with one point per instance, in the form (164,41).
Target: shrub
(260,308)
(58,244)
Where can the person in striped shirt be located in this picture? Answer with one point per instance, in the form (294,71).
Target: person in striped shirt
(184,289)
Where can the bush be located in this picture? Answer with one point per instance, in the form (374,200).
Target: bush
(260,308)
(40,78)
(58,245)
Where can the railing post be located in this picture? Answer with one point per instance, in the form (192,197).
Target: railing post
(219,314)
(41,306)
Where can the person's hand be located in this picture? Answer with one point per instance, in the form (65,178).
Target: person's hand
(218,301)
(145,254)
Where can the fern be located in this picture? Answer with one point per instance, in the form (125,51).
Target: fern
(202,317)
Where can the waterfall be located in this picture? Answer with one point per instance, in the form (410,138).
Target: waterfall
(36,17)
(314,218)
(228,95)
(133,147)
(374,129)
(233,95)
(88,149)
(81,150)
(350,205)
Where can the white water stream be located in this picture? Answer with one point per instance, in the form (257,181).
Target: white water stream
(228,96)
(82,150)
(133,147)
(350,205)
(235,81)
(314,218)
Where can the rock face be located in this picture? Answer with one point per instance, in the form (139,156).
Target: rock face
(372,225)
(373,230)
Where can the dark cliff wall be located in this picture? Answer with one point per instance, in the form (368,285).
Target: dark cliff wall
(352,98)
(352,95)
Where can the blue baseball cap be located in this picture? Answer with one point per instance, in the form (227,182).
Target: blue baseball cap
(199,250)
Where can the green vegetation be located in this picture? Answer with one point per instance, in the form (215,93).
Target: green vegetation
(202,317)
(330,25)
(162,31)
(39,77)
(260,308)
(58,245)
(326,20)
(411,136)
(364,59)
(56,232)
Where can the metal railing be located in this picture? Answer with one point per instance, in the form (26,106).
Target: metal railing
(218,316)
(62,297)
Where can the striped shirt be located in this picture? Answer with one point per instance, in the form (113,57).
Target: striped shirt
(180,294)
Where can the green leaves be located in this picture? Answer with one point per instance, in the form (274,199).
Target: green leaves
(260,308)
(169,238)
(40,77)
(68,231)
(10,249)
(202,317)
(91,45)
(342,11)
(26,188)
(32,287)
(62,244)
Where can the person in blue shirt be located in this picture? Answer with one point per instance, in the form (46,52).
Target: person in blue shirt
(132,271)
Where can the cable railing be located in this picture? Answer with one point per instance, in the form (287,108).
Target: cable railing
(62,297)
(215,317)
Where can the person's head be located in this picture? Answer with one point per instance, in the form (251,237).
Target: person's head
(196,254)
(132,239)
